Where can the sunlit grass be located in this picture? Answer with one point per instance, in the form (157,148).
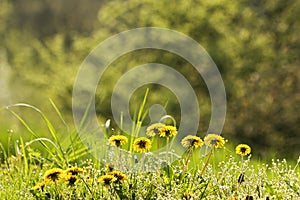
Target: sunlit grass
(210,168)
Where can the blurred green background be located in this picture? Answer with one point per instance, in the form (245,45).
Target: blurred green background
(255,44)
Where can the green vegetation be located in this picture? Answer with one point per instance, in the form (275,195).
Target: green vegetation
(256,47)
(206,170)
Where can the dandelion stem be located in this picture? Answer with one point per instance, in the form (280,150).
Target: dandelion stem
(142,162)
(87,186)
(167,151)
(206,163)
(58,190)
(188,158)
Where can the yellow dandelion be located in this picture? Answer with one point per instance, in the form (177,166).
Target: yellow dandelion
(53,175)
(110,166)
(118,175)
(107,179)
(71,179)
(214,140)
(191,141)
(243,149)
(187,194)
(73,171)
(39,186)
(154,129)
(233,198)
(141,145)
(168,131)
(118,140)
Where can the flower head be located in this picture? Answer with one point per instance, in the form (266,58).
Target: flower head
(71,179)
(73,171)
(154,129)
(110,166)
(214,140)
(118,175)
(107,179)
(118,140)
(168,131)
(243,149)
(39,186)
(188,194)
(53,175)
(191,141)
(141,145)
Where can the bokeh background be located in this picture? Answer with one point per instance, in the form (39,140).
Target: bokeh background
(255,44)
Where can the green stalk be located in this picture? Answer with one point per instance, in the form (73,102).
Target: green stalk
(26,167)
(59,114)
(143,105)
(206,163)
(137,122)
(32,133)
(121,120)
(167,151)
(188,158)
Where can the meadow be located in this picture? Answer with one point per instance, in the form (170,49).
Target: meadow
(255,46)
(210,168)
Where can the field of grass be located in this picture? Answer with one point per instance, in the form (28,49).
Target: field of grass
(209,168)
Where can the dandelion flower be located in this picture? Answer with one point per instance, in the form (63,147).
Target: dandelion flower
(154,129)
(118,175)
(192,141)
(118,140)
(214,140)
(243,149)
(141,145)
(110,166)
(74,171)
(53,175)
(168,131)
(71,179)
(107,179)
(188,194)
(39,186)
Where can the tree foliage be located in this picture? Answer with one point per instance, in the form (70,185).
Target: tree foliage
(255,45)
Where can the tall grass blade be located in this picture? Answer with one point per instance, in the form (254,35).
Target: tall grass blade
(49,125)
(85,115)
(23,153)
(59,114)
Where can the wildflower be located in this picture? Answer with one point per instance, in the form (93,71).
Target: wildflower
(53,175)
(191,141)
(71,179)
(154,129)
(141,145)
(107,179)
(110,166)
(118,140)
(39,186)
(118,175)
(214,140)
(168,131)
(233,198)
(187,195)
(243,149)
(74,171)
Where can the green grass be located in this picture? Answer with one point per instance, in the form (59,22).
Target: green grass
(219,181)
(224,175)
